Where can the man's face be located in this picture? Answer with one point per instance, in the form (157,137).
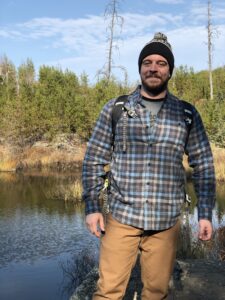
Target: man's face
(155,74)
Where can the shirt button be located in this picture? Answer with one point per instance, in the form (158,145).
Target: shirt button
(148,183)
(146,201)
(149,164)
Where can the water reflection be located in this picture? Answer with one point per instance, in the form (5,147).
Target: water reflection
(37,234)
(32,226)
(189,244)
(32,192)
(219,211)
(39,231)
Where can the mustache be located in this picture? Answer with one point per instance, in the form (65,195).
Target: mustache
(153,75)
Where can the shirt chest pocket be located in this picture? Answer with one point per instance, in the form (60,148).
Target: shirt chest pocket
(132,131)
(175,132)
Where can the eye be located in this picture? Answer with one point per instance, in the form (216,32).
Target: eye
(162,63)
(146,63)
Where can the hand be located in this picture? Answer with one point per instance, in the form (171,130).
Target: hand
(205,230)
(95,223)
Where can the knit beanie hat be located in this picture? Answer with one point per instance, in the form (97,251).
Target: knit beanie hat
(158,45)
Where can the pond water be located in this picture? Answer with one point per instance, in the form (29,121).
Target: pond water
(40,232)
(37,235)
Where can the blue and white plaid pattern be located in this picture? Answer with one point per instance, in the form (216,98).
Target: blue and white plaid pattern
(147,180)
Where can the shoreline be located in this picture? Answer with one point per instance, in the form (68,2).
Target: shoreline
(192,279)
(65,153)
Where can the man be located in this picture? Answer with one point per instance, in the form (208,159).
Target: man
(146,179)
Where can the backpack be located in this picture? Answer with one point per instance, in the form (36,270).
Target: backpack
(121,100)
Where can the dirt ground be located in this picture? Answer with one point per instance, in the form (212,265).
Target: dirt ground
(192,280)
(200,280)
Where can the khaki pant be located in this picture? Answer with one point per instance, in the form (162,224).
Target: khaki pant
(119,248)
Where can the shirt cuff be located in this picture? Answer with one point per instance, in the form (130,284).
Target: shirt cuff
(92,207)
(205,213)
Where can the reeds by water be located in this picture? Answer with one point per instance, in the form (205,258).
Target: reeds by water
(46,157)
(71,192)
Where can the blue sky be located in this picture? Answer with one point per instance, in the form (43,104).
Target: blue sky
(73,34)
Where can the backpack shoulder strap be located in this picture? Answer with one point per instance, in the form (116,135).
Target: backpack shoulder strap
(117,111)
(188,117)
(121,100)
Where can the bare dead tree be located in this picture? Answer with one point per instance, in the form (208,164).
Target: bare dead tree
(111,9)
(210,48)
(124,70)
(116,21)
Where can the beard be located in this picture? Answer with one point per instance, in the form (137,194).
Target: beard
(155,89)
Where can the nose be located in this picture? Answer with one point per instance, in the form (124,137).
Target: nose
(153,67)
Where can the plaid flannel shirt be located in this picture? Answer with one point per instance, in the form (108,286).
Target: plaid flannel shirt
(147,179)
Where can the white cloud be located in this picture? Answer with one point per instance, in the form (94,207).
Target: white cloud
(79,34)
(82,43)
(71,34)
(137,24)
(190,47)
(4,33)
(88,29)
(11,33)
(199,12)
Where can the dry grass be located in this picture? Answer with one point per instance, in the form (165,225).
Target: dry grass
(219,162)
(67,156)
(8,165)
(76,190)
(8,161)
(62,155)
(68,192)
(45,157)
(8,177)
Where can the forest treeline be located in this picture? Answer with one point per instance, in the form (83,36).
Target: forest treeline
(40,105)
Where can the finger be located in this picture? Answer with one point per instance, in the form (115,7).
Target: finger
(101,223)
(202,233)
(94,230)
(205,234)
